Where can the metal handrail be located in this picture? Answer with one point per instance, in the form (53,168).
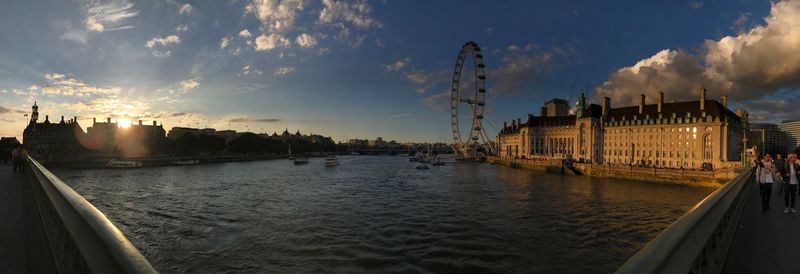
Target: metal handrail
(698,241)
(81,238)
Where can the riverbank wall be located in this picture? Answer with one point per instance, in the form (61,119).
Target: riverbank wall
(651,175)
(90,162)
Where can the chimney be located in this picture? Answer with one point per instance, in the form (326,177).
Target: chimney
(641,103)
(725,101)
(47,118)
(108,120)
(660,101)
(140,122)
(505,125)
(154,123)
(702,99)
(62,118)
(519,121)
(606,105)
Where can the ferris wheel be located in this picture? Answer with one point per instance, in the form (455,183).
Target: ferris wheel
(477,144)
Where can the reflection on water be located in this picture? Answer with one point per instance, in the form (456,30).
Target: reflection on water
(379,214)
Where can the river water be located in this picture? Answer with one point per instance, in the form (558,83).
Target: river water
(379,214)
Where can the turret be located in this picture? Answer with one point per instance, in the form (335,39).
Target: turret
(35,113)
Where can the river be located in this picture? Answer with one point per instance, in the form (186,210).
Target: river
(379,214)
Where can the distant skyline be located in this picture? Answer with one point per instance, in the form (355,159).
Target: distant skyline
(363,69)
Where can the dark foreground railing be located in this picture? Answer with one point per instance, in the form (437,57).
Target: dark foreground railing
(81,238)
(698,241)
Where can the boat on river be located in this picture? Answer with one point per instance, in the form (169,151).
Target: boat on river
(122,164)
(300,161)
(186,162)
(331,161)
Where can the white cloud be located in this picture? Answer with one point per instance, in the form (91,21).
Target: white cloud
(171,39)
(245,33)
(60,84)
(306,41)
(755,63)
(108,15)
(398,65)
(190,83)
(270,42)
(276,15)
(181,28)
(185,9)
(357,13)
(247,70)
(223,43)
(283,71)
(162,54)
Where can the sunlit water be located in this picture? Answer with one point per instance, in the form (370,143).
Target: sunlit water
(379,214)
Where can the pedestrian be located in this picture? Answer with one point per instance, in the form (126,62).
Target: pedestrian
(21,155)
(765,176)
(780,163)
(790,180)
(14,156)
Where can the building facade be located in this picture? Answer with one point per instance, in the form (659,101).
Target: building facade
(769,138)
(49,139)
(670,135)
(792,130)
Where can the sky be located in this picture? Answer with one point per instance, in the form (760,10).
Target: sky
(364,69)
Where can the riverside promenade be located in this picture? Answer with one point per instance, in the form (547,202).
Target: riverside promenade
(23,246)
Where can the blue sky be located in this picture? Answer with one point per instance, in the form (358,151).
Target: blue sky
(362,69)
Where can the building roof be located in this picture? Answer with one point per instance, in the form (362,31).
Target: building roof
(712,108)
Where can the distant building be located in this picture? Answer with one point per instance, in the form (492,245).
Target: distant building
(177,132)
(792,130)
(678,134)
(48,139)
(555,107)
(769,138)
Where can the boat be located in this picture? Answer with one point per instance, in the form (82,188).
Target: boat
(412,157)
(123,164)
(331,161)
(185,162)
(300,161)
(422,166)
(436,161)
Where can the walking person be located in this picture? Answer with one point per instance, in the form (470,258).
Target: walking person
(766,176)
(14,156)
(780,163)
(790,174)
(20,154)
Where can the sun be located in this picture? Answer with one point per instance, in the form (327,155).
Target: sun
(124,123)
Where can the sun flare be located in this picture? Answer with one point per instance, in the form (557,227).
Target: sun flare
(124,123)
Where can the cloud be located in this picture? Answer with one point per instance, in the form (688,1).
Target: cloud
(275,15)
(243,119)
(521,69)
(185,9)
(162,54)
(402,115)
(283,71)
(426,80)
(155,41)
(270,42)
(245,33)
(223,43)
(398,65)
(438,102)
(181,28)
(247,70)
(9,110)
(59,84)
(750,65)
(108,15)
(357,13)
(189,84)
(695,5)
(306,41)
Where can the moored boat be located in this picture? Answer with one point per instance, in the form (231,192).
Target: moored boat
(122,164)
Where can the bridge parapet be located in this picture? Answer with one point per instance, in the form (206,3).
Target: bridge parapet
(81,238)
(698,241)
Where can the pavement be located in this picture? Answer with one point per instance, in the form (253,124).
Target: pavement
(23,244)
(765,242)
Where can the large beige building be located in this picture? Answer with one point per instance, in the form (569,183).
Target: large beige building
(673,135)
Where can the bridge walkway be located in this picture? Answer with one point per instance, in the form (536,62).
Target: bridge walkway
(23,245)
(765,242)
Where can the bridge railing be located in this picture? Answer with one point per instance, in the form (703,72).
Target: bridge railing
(81,238)
(698,241)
